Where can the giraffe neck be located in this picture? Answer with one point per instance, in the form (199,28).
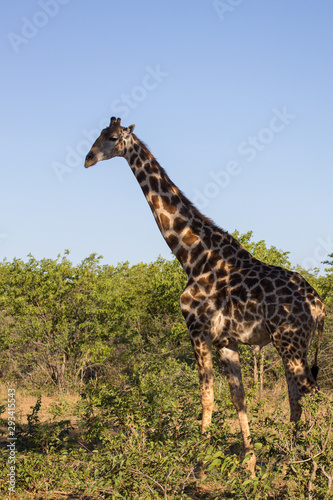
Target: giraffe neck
(190,235)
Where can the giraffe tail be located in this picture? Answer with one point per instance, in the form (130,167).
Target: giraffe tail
(320,328)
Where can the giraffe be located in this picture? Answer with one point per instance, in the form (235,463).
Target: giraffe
(231,297)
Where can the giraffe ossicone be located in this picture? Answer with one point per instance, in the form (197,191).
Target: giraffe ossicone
(231,297)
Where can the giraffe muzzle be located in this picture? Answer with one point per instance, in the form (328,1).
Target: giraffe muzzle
(90,160)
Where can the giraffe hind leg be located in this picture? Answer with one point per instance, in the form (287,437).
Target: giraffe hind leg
(299,377)
(230,361)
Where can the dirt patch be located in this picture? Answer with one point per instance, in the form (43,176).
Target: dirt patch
(25,402)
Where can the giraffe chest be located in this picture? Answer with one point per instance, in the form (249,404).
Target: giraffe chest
(222,315)
(242,326)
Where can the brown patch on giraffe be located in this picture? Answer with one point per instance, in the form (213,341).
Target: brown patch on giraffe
(294,280)
(165,221)
(172,241)
(154,184)
(169,207)
(196,224)
(204,318)
(222,272)
(152,168)
(185,314)
(214,260)
(197,293)
(203,309)
(196,252)
(132,159)
(303,317)
(182,255)
(185,298)
(285,291)
(250,282)
(220,298)
(155,199)
(189,238)
(141,176)
(244,255)
(191,319)
(240,293)
(228,252)
(196,303)
(201,264)
(235,280)
(175,200)
(267,285)
(179,224)
(164,188)
(206,283)
(257,293)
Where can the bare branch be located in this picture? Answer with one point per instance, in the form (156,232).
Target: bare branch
(135,471)
(329,477)
(311,480)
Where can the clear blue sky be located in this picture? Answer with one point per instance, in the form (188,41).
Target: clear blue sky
(234,98)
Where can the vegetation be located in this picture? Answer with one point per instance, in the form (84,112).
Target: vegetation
(115,335)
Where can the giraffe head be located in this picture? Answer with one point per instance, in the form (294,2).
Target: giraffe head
(111,143)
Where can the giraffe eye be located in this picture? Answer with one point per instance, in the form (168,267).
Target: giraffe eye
(113,139)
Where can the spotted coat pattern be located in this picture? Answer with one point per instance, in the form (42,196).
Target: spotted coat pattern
(231,297)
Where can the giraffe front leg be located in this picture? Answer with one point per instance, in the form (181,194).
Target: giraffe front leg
(203,354)
(230,361)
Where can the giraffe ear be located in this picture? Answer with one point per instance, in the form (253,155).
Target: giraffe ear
(131,128)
